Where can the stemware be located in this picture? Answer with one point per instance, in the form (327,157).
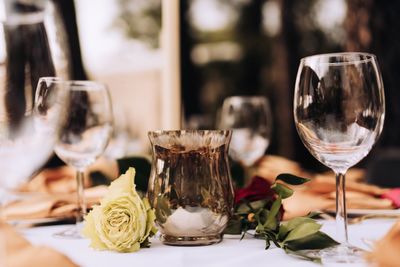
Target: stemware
(31,46)
(251,121)
(84,135)
(26,142)
(339,110)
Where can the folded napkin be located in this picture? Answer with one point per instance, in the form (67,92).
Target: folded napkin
(20,253)
(319,193)
(50,205)
(55,180)
(385,251)
(50,194)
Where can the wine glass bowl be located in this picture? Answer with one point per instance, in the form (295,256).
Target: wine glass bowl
(87,129)
(339,111)
(251,121)
(84,134)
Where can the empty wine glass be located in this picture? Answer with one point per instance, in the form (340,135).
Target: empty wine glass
(84,135)
(251,121)
(339,109)
(27,141)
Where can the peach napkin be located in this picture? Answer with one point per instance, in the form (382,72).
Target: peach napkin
(20,253)
(56,180)
(51,194)
(45,205)
(319,193)
(386,250)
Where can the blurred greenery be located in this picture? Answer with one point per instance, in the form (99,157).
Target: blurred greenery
(140,19)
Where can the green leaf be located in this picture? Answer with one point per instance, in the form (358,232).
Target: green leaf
(295,222)
(317,240)
(283,231)
(247,207)
(267,243)
(271,235)
(303,230)
(258,204)
(288,226)
(234,227)
(314,214)
(282,190)
(292,179)
(243,208)
(262,215)
(272,220)
(237,174)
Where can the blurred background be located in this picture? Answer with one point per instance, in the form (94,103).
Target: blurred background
(228,47)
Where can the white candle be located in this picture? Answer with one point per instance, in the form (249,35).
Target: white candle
(171,86)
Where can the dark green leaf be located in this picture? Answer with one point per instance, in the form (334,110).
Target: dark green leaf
(234,227)
(267,243)
(243,208)
(247,207)
(303,230)
(283,231)
(243,234)
(271,235)
(272,220)
(262,215)
(237,174)
(282,190)
(317,240)
(292,179)
(146,243)
(314,214)
(259,204)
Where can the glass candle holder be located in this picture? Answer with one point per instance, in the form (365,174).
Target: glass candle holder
(190,186)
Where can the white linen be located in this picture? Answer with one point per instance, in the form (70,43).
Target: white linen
(230,252)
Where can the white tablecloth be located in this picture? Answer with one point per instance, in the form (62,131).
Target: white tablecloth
(230,252)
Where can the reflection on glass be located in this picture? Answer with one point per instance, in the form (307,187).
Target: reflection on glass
(251,121)
(190,186)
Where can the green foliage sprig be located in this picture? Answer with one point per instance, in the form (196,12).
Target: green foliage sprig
(296,236)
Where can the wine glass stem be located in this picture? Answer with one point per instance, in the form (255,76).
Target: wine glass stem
(80,196)
(341,213)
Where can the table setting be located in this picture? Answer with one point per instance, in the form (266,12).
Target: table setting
(199,197)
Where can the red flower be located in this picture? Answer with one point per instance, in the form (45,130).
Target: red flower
(259,188)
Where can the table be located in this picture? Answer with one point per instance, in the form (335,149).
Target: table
(230,252)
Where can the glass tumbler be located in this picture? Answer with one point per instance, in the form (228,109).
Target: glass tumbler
(190,186)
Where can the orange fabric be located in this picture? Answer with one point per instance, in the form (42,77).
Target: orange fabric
(20,253)
(319,193)
(386,250)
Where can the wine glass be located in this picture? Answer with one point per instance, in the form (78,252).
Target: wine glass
(251,121)
(27,141)
(339,110)
(84,135)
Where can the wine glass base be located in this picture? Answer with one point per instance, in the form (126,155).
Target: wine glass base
(340,254)
(73,232)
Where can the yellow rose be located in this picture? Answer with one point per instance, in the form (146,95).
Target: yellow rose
(123,222)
